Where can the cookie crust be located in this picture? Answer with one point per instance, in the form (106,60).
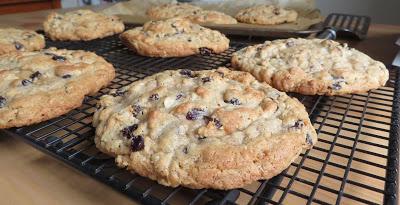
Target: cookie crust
(175,37)
(166,11)
(266,15)
(214,17)
(311,67)
(217,129)
(83,25)
(12,39)
(38,86)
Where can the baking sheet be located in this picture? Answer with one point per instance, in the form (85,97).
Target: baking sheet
(134,11)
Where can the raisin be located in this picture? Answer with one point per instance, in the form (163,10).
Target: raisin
(290,44)
(128,131)
(136,110)
(336,86)
(119,93)
(179,96)
(205,51)
(18,45)
(276,11)
(185,150)
(35,75)
(309,139)
(202,138)
(233,101)
(189,40)
(195,113)
(216,122)
(206,79)
(26,82)
(187,73)
(137,143)
(3,101)
(298,124)
(58,58)
(154,97)
(66,76)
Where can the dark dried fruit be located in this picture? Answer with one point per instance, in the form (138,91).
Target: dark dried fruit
(66,76)
(195,113)
(205,51)
(336,86)
(233,101)
(185,150)
(216,122)
(3,101)
(35,75)
(206,79)
(187,73)
(276,11)
(119,93)
(290,44)
(154,97)
(298,124)
(179,96)
(58,58)
(309,139)
(26,82)
(128,131)
(18,45)
(202,138)
(137,109)
(137,143)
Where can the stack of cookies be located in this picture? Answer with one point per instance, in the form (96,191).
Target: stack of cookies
(220,129)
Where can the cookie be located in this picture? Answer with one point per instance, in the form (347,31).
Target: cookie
(174,37)
(12,39)
(266,15)
(37,86)
(214,17)
(81,25)
(166,11)
(311,67)
(217,129)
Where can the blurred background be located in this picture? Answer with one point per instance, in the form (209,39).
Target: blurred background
(384,12)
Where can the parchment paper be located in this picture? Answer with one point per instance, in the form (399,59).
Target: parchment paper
(134,11)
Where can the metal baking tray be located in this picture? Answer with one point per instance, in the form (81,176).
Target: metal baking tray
(355,160)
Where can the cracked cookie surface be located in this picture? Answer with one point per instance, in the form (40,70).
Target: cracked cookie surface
(174,37)
(37,86)
(266,15)
(311,67)
(218,129)
(214,17)
(81,25)
(166,11)
(12,39)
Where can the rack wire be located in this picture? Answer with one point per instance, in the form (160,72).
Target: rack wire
(355,160)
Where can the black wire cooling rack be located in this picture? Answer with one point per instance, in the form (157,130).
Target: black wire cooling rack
(355,160)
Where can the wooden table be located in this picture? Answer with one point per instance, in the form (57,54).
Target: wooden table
(30,177)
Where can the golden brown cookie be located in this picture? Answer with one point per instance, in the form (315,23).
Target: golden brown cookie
(81,25)
(311,67)
(174,37)
(12,39)
(217,129)
(267,15)
(37,86)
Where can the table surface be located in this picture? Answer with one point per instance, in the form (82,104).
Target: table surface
(31,177)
